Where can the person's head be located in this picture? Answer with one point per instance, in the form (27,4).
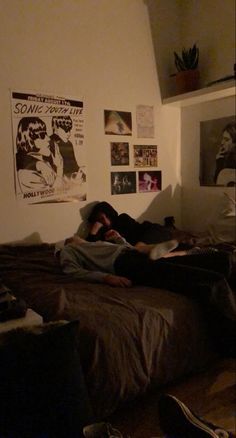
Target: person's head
(104,213)
(62,125)
(32,136)
(228,140)
(121,147)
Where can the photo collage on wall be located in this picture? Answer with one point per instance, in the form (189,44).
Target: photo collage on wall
(137,156)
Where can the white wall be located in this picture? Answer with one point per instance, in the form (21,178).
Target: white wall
(165,20)
(99,51)
(180,23)
(211,23)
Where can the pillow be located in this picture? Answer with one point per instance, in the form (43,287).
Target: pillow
(223,228)
(42,387)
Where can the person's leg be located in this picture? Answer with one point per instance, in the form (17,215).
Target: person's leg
(217,261)
(156,250)
(167,273)
(210,289)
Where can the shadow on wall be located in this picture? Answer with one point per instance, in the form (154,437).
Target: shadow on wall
(164,204)
(84,213)
(210,206)
(32,239)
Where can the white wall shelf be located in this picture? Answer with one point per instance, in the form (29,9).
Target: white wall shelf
(213,92)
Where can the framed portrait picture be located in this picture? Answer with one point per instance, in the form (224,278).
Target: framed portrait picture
(119,154)
(149,181)
(117,122)
(123,182)
(218,152)
(145,155)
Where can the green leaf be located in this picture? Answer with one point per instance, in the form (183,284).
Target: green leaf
(189,59)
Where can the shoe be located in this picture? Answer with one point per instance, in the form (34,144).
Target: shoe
(101,430)
(204,250)
(160,249)
(177,421)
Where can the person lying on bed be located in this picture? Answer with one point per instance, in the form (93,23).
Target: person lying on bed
(202,277)
(104,217)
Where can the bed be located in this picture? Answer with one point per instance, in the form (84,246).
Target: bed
(130,340)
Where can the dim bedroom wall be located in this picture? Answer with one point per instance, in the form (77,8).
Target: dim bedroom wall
(100,53)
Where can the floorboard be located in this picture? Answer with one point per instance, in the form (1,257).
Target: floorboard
(210,394)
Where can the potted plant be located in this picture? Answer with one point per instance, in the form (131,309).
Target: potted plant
(187,76)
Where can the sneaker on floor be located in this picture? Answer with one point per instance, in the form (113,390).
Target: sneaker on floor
(160,249)
(101,430)
(177,421)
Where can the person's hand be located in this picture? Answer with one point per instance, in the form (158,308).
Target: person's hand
(95,228)
(58,161)
(117,281)
(47,172)
(112,235)
(221,152)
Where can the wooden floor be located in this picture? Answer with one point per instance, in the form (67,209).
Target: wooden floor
(211,395)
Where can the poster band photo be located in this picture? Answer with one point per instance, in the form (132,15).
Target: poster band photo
(48,147)
(119,154)
(145,156)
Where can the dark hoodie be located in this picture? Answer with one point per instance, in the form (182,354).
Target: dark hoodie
(128,227)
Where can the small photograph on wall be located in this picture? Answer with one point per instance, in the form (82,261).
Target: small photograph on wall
(145,156)
(149,181)
(119,154)
(117,122)
(123,182)
(218,152)
(145,121)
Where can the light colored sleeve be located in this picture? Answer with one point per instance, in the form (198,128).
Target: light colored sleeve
(73,268)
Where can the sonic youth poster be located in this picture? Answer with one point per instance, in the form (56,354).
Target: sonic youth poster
(48,146)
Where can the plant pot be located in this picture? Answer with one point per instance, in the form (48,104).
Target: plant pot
(187,80)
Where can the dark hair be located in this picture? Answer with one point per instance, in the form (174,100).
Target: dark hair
(29,129)
(63,122)
(102,207)
(231,129)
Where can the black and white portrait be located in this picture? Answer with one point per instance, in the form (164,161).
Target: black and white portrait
(218,152)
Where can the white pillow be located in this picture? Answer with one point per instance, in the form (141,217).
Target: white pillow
(223,229)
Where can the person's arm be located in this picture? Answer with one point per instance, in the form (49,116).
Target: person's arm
(117,281)
(128,228)
(96,232)
(114,236)
(72,267)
